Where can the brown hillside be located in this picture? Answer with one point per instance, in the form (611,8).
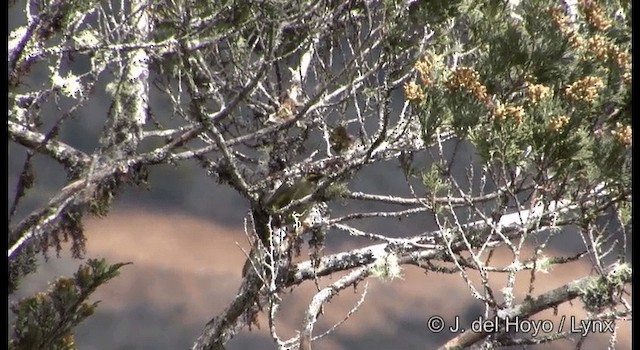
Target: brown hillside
(186,270)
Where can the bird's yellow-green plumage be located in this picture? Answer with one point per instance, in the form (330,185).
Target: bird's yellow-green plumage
(286,194)
(283,196)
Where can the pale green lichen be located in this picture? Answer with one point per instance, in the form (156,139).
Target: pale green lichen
(387,267)
(15,37)
(87,39)
(69,85)
(544,264)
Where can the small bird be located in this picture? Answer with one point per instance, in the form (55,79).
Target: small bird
(340,139)
(283,196)
(289,103)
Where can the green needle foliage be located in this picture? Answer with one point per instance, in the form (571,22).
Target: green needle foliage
(531,76)
(46,320)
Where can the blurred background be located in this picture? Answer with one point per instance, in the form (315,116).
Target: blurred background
(184,236)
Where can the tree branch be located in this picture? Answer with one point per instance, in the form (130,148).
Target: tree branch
(533,306)
(60,151)
(324,296)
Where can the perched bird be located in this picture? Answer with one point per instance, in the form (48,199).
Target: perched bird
(286,193)
(282,197)
(340,139)
(289,103)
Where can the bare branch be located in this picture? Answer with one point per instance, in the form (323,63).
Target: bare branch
(324,296)
(63,153)
(533,306)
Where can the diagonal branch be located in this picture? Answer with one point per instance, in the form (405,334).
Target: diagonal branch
(41,221)
(324,296)
(60,151)
(535,305)
(223,327)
